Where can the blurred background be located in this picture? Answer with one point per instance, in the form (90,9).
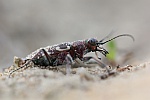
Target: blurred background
(26,25)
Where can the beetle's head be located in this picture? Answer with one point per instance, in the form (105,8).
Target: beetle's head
(95,45)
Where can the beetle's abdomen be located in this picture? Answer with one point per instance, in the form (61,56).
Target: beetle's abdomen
(41,58)
(42,61)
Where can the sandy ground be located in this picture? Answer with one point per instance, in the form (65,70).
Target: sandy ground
(44,84)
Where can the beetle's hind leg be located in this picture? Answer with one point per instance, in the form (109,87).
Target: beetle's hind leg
(25,65)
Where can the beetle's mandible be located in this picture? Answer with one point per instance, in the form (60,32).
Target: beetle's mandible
(66,53)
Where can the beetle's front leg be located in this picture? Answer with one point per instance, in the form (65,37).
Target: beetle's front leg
(98,62)
(85,59)
(69,62)
(80,62)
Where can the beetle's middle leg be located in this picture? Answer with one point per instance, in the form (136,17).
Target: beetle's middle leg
(69,62)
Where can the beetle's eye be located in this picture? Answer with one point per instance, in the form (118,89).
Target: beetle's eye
(92,41)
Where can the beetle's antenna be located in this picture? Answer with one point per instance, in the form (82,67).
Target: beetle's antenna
(113,31)
(24,65)
(117,37)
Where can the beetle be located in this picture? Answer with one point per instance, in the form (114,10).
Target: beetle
(66,53)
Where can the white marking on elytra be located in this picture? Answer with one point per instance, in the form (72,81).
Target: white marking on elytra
(67,48)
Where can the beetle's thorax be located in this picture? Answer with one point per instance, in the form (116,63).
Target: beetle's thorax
(78,49)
